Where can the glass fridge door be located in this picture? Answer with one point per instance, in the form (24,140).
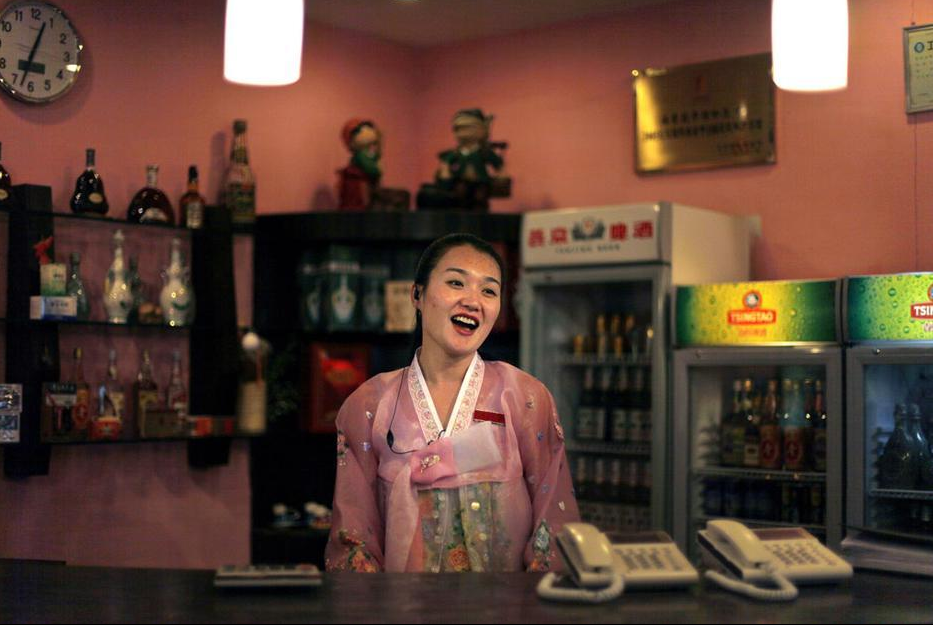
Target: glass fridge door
(593,337)
(757,438)
(890,400)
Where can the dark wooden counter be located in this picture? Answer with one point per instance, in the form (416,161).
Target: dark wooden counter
(33,592)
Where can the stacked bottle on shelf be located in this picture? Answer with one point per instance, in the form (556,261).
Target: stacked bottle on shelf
(782,431)
(613,482)
(74,411)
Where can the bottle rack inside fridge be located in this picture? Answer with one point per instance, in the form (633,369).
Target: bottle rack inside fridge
(730,474)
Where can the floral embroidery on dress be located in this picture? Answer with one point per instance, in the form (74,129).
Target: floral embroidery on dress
(358,557)
(470,395)
(341,448)
(457,559)
(541,546)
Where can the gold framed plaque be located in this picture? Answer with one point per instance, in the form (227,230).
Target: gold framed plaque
(918,67)
(704,115)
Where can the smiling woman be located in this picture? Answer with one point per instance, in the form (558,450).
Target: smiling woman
(467,470)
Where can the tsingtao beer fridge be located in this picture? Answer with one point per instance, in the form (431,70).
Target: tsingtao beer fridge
(593,304)
(757,407)
(889,400)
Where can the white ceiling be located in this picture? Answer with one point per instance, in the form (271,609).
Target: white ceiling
(423,23)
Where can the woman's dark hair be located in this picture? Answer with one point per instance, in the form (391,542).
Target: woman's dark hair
(430,258)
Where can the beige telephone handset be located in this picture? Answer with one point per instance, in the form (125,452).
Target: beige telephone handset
(599,571)
(776,555)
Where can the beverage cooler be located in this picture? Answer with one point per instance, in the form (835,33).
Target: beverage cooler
(757,407)
(593,300)
(889,399)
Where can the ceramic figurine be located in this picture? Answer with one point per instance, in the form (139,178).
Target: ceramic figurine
(361,177)
(468,175)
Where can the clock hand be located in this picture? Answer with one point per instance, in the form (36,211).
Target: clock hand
(32,53)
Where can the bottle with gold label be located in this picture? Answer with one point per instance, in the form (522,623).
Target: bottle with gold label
(145,393)
(81,411)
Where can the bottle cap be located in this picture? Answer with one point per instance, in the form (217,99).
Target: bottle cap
(239,126)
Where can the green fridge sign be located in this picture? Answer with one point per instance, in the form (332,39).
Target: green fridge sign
(890,307)
(757,313)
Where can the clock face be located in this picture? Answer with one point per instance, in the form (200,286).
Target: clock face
(40,51)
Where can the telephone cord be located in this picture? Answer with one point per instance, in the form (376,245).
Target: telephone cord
(785,591)
(548,591)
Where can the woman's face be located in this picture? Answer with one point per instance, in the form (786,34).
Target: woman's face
(460,302)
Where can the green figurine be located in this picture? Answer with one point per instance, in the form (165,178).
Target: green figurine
(468,175)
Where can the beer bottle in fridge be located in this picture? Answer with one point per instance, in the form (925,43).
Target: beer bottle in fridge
(769,447)
(584,425)
(752,435)
(819,428)
(795,447)
(726,443)
(898,467)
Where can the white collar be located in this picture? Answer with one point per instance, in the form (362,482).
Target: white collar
(465,404)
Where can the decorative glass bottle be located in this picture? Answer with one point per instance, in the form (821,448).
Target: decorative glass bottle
(177,297)
(118,299)
(75,286)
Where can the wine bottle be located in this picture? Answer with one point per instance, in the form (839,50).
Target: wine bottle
(239,188)
(6,185)
(191,205)
(150,204)
(88,196)
(145,393)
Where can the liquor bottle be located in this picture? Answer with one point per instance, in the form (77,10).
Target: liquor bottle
(585,426)
(770,448)
(819,428)
(176,395)
(752,435)
(118,300)
(898,466)
(619,414)
(81,411)
(239,188)
(112,397)
(75,286)
(603,405)
(601,337)
(726,442)
(145,393)
(88,197)
(177,297)
(150,204)
(6,185)
(795,445)
(191,205)
(738,425)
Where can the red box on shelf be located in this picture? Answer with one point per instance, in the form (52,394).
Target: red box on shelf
(335,371)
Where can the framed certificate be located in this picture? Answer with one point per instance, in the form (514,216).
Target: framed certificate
(918,67)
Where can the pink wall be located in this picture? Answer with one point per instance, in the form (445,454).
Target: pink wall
(848,194)
(152,91)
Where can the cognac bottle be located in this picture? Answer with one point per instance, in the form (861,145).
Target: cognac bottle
(150,204)
(88,196)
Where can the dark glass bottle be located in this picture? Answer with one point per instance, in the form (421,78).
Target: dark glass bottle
(191,205)
(150,204)
(898,467)
(88,196)
(239,188)
(6,186)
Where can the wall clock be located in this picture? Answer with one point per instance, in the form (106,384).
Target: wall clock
(40,51)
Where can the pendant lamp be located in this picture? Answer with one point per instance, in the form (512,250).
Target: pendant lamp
(262,41)
(810,44)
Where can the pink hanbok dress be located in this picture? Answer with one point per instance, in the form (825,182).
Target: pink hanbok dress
(488,493)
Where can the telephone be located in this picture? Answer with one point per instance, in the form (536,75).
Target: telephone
(599,570)
(776,555)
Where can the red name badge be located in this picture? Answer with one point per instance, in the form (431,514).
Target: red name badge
(489,416)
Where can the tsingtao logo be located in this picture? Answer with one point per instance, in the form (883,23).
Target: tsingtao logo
(751,312)
(923,310)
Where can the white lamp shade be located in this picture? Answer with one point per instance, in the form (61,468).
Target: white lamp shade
(262,41)
(810,44)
